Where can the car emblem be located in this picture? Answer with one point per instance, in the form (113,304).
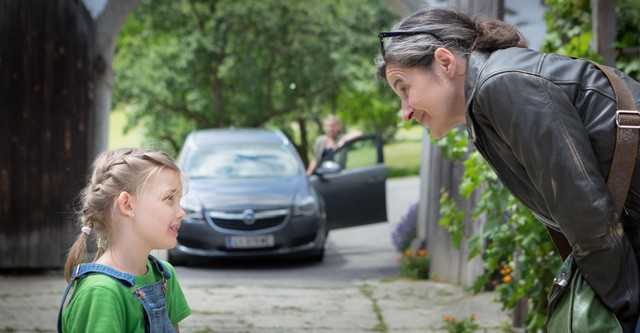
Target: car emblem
(248,216)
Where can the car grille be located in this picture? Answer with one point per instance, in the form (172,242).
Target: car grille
(249,219)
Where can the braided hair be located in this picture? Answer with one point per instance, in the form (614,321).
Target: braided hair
(113,172)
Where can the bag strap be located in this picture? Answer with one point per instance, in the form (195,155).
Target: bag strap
(561,243)
(624,154)
(626,149)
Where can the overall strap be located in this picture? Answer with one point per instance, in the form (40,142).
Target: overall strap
(624,154)
(82,271)
(160,267)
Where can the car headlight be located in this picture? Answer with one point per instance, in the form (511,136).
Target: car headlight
(193,209)
(305,205)
(193,216)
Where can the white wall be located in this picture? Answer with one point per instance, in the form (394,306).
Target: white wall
(528,17)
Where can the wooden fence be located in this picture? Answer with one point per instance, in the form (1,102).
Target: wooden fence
(448,264)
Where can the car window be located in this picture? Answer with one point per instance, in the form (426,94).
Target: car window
(358,154)
(241,161)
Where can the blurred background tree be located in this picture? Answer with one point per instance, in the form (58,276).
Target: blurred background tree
(190,64)
(569,32)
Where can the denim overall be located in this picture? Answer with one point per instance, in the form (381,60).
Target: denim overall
(151,296)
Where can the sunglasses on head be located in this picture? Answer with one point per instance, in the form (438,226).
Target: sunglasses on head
(385,34)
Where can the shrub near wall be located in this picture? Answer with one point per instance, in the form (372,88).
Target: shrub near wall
(511,239)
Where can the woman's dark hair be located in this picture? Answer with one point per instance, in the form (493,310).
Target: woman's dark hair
(456,31)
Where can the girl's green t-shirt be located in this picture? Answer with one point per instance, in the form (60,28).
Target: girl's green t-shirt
(101,304)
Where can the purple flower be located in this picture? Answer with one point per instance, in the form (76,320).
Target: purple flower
(405,231)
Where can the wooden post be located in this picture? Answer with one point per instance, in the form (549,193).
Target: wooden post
(425,204)
(604,29)
(46,89)
(492,8)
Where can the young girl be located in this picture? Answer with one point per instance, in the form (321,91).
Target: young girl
(132,206)
(544,122)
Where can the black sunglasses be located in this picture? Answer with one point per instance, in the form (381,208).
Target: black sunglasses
(385,34)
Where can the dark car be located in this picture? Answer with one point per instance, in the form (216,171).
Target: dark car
(247,195)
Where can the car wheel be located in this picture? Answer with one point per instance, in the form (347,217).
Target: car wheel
(318,257)
(176,260)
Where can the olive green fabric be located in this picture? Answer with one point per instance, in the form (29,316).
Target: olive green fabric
(575,308)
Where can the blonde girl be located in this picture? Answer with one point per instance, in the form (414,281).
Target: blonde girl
(131,206)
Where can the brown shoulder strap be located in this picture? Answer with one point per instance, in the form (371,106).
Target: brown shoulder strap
(628,135)
(624,154)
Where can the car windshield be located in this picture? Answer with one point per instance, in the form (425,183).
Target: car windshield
(241,161)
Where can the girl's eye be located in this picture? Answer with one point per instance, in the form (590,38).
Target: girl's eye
(174,198)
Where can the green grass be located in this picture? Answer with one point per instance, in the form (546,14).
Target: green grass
(367,291)
(402,156)
(117,138)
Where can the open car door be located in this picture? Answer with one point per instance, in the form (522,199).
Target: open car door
(352,181)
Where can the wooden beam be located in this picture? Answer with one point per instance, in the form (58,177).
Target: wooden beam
(603,13)
(492,8)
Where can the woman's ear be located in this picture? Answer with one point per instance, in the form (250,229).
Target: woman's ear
(446,61)
(125,204)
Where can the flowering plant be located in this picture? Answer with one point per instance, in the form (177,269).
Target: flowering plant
(414,266)
(405,231)
(454,325)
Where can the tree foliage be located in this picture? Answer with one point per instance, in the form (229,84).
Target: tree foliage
(569,25)
(188,64)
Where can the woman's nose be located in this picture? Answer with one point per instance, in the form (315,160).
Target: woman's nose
(407,111)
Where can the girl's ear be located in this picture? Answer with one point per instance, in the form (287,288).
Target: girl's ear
(125,204)
(445,61)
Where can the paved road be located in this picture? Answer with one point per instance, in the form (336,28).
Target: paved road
(352,254)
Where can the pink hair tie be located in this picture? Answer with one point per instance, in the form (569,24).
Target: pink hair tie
(86,230)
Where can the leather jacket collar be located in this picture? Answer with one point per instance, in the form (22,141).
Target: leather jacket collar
(475,64)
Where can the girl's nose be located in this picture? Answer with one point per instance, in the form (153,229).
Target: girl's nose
(181,213)
(407,111)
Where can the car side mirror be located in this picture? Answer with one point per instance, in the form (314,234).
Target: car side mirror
(328,167)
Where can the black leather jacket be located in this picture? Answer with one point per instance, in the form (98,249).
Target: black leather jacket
(546,124)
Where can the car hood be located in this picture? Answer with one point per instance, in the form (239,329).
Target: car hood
(239,194)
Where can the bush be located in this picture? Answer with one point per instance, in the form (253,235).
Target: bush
(510,238)
(414,266)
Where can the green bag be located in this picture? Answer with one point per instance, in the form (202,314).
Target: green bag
(574,306)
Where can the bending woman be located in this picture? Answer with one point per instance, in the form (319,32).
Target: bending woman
(544,122)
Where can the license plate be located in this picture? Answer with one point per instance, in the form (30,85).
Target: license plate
(250,242)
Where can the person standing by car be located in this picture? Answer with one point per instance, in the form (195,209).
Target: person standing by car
(545,123)
(132,205)
(331,140)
